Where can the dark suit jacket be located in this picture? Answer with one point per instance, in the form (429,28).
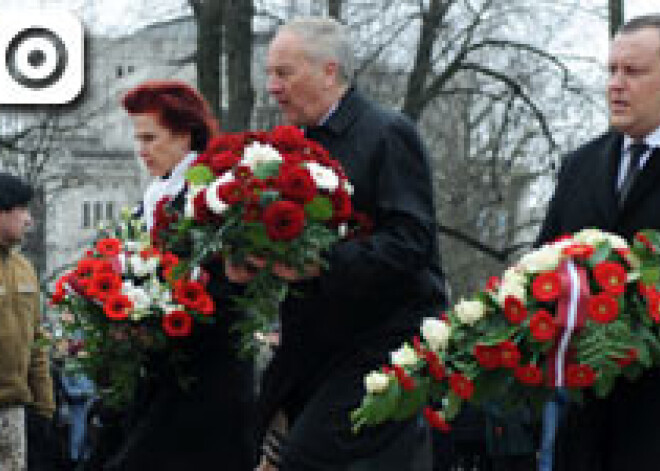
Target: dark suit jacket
(619,433)
(377,288)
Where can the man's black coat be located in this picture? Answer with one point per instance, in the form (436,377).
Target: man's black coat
(374,294)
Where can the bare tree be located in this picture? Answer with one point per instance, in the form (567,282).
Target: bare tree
(209,18)
(615,8)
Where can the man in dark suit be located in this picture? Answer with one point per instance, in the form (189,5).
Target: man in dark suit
(612,183)
(346,319)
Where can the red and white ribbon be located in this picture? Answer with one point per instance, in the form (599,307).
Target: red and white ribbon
(571,314)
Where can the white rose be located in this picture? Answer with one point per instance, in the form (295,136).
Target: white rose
(257,153)
(324,177)
(469,312)
(543,259)
(139,297)
(436,333)
(404,356)
(376,382)
(617,242)
(513,284)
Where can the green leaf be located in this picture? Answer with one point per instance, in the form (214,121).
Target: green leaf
(382,406)
(453,407)
(266,169)
(411,402)
(319,209)
(604,384)
(199,175)
(650,274)
(602,253)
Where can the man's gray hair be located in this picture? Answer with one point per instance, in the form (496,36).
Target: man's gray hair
(325,39)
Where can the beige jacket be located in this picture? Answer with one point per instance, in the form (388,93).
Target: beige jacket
(24,367)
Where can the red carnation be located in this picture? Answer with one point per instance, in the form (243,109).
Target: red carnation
(581,251)
(297,184)
(603,308)
(461,385)
(509,354)
(116,307)
(287,137)
(341,206)
(108,247)
(436,369)
(205,305)
(231,192)
(580,376)
(530,375)
(654,307)
(546,287)
(177,324)
(103,285)
(487,356)
(188,293)
(631,356)
(492,284)
(168,259)
(106,266)
(514,310)
(86,267)
(405,380)
(284,220)
(610,276)
(543,326)
(201,212)
(436,420)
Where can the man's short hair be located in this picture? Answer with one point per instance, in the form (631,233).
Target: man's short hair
(324,39)
(14,192)
(641,22)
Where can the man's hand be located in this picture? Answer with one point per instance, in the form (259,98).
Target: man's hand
(290,274)
(243,273)
(265,465)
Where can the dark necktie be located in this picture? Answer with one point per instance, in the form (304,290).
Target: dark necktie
(636,151)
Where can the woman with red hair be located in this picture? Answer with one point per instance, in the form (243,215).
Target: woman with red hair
(208,424)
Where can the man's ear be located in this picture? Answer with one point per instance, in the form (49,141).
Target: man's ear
(331,73)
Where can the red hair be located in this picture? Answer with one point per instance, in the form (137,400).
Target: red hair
(178,106)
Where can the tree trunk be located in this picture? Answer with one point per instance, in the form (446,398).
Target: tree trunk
(334,9)
(208,15)
(238,48)
(616,15)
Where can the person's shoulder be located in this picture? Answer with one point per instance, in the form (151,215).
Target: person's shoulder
(590,150)
(22,263)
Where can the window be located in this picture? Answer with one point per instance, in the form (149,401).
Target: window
(120,71)
(98,213)
(109,211)
(86,215)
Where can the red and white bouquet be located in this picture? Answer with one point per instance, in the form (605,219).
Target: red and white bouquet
(264,199)
(577,313)
(123,302)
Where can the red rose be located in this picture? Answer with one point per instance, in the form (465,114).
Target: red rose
(201,212)
(610,276)
(116,307)
(205,305)
(581,251)
(543,326)
(297,184)
(224,161)
(232,192)
(509,354)
(86,267)
(579,376)
(546,287)
(530,375)
(461,385)
(514,310)
(435,420)
(287,137)
(108,247)
(284,220)
(168,259)
(603,308)
(487,356)
(177,324)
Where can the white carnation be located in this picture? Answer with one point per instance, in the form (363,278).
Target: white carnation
(376,382)
(436,333)
(545,258)
(142,267)
(595,236)
(469,312)
(257,153)
(404,356)
(513,284)
(324,177)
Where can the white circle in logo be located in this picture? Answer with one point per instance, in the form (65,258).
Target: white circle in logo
(36,58)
